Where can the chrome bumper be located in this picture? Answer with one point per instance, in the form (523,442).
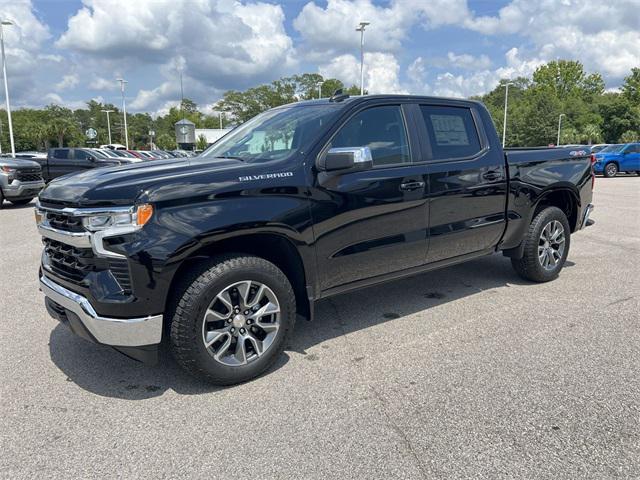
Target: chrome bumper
(123,332)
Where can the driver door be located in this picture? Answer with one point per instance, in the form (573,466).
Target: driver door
(369,224)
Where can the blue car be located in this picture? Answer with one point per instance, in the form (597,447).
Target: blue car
(623,157)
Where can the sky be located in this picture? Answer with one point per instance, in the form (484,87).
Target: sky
(70,51)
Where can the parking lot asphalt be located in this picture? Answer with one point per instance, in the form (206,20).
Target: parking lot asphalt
(462,372)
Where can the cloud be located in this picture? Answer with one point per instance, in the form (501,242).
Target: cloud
(381,72)
(219,42)
(469,62)
(100,83)
(603,35)
(68,81)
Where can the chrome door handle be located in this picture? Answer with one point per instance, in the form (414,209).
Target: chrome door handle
(411,186)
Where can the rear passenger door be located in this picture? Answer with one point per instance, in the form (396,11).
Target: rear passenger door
(467,182)
(60,162)
(371,223)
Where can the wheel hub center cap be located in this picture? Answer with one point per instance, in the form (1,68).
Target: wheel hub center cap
(239,320)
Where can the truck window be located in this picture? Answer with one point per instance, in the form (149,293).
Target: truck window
(452,131)
(379,128)
(81,155)
(61,153)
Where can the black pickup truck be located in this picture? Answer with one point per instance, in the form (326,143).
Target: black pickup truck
(219,254)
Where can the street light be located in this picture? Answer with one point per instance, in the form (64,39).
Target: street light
(108,123)
(6,85)
(124,112)
(360,29)
(506,99)
(319,85)
(559,126)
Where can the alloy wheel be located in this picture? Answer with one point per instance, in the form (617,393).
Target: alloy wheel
(241,323)
(551,245)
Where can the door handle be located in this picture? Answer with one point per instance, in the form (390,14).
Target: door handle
(411,186)
(491,175)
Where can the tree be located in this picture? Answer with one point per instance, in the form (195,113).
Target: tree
(166,141)
(566,78)
(61,123)
(629,136)
(591,133)
(631,86)
(201,142)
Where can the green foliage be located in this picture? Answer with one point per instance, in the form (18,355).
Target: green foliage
(629,136)
(591,115)
(201,143)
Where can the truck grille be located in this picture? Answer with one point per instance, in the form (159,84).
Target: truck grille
(68,223)
(74,264)
(29,175)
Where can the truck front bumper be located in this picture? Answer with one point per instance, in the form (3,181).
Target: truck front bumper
(135,337)
(17,190)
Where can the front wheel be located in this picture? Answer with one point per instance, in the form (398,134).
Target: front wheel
(610,170)
(233,320)
(546,246)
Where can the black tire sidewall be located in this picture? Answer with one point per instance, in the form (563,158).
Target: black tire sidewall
(542,219)
(194,312)
(22,201)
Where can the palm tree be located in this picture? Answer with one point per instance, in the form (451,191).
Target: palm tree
(591,132)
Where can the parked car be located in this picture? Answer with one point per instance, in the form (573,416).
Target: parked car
(20,180)
(618,158)
(598,147)
(62,161)
(302,202)
(114,146)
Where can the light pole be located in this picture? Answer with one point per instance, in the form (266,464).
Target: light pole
(108,123)
(360,29)
(6,85)
(319,85)
(220,115)
(559,126)
(124,112)
(506,100)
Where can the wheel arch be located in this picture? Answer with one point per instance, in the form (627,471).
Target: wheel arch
(564,198)
(274,247)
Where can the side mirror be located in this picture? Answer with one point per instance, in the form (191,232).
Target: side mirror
(346,158)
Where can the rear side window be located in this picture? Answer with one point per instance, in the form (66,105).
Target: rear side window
(452,132)
(379,128)
(61,153)
(81,155)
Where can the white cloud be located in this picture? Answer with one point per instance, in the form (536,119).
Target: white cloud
(381,72)
(101,83)
(604,36)
(219,42)
(469,62)
(68,81)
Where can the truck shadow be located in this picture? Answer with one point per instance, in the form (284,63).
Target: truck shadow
(103,371)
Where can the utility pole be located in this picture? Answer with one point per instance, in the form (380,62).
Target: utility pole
(220,115)
(124,112)
(559,127)
(506,100)
(6,85)
(319,85)
(108,123)
(181,96)
(360,29)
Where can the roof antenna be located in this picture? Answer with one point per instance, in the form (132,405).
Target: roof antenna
(338,96)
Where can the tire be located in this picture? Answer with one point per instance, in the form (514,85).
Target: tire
(610,170)
(1,199)
(22,201)
(532,265)
(207,293)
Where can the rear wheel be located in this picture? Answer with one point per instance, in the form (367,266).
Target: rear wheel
(233,320)
(22,201)
(610,170)
(546,246)
(1,199)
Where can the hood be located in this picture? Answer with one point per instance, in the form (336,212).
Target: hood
(19,164)
(122,185)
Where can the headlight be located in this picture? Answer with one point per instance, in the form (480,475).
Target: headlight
(10,172)
(135,218)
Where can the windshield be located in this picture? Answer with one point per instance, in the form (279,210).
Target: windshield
(612,149)
(273,135)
